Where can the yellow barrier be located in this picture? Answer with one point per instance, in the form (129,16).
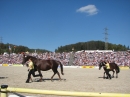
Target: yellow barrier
(121,67)
(11,65)
(17,65)
(5,65)
(61,93)
(124,67)
(87,66)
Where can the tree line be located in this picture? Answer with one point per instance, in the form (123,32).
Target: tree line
(11,48)
(91,45)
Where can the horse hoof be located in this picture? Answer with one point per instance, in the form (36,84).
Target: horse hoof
(40,80)
(51,80)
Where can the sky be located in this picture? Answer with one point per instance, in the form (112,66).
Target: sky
(49,24)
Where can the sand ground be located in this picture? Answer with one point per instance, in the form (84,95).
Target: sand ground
(75,79)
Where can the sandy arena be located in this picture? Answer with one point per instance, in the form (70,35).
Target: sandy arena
(75,79)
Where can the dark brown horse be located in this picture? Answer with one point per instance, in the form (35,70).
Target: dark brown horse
(113,67)
(44,65)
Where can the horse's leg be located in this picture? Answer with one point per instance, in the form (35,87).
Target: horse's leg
(40,74)
(55,71)
(116,74)
(113,73)
(108,75)
(31,79)
(53,76)
(104,75)
(58,75)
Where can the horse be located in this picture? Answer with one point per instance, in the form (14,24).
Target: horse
(113,67)
(44,65)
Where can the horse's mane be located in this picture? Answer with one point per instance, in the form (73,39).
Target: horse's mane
(31,56)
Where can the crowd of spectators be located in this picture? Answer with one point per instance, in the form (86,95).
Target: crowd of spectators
(17,58)
(121,58)
(11,59)
(80,58)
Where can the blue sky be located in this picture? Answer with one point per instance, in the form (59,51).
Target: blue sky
(49,24)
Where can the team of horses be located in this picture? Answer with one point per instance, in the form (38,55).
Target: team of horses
(44,65)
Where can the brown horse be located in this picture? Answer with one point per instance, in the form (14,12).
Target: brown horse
(44,65)
(113,67)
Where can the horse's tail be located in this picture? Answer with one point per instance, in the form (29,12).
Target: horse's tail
(118,69)
(61,66)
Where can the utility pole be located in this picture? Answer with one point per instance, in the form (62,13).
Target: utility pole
(106,39)
(0,45)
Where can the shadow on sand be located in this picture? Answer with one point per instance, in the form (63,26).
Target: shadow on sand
(47,79)
(16,95)
(3,77)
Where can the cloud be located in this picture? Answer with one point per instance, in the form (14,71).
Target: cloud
(89,9)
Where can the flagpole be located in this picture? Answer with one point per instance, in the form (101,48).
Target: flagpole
(9,50)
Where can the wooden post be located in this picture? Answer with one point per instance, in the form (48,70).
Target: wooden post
(4,91)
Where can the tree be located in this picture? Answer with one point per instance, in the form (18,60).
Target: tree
(92,45)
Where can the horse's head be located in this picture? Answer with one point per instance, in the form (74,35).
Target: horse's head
(101,64)
(25,58)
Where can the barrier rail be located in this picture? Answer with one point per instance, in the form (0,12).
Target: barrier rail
(11,65)
(89,67)
(5,89)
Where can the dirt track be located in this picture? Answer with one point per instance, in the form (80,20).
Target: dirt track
(75,79)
